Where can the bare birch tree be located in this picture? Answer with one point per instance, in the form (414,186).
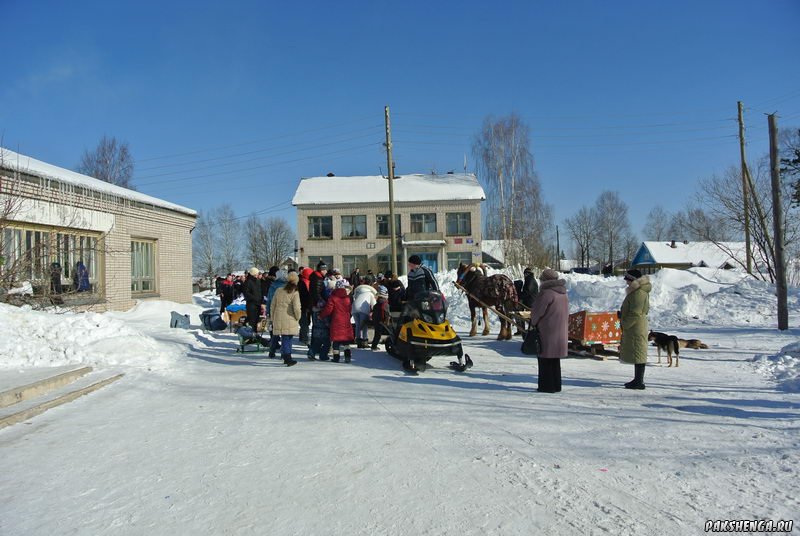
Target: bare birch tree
(613,227)
(279,240)
(204,249)
(515,208)
(582,231)
(657,225)
(111,161)
(229,236)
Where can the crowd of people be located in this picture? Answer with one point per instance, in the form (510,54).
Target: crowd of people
(329,312)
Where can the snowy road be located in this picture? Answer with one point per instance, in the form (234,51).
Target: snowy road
(230,445)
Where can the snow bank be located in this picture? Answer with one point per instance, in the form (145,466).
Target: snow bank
(784,367)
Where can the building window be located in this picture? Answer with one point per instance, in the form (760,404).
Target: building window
(143,267)
(454,259)
(350,262)
(313,261)
(49,259)
(320,226)
(459,224)
(354,226)
(383,226)
(384,263)
(423,223)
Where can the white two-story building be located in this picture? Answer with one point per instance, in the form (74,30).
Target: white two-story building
(344,221)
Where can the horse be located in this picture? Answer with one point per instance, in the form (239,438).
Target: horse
(496,291)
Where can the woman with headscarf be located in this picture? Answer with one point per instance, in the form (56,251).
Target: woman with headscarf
(550,313)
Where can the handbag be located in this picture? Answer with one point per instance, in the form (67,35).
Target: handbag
(532,344)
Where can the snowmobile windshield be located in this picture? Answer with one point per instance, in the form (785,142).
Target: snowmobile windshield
(432,307)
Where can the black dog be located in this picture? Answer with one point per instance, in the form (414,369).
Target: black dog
(668,343)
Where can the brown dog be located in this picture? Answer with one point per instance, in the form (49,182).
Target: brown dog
(668,343)
(695,344)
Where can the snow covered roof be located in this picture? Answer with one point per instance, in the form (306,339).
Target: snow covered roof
(375,189)
(691,253)
(30,166)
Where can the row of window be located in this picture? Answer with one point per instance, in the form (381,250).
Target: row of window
(457,224)
(382,263)
(44,256)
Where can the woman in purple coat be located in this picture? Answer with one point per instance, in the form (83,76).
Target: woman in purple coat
(550,313)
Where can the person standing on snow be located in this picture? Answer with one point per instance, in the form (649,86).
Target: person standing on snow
(363,302)
(550,313)
(634,325)
(338,309)
(253,297)
(285,311)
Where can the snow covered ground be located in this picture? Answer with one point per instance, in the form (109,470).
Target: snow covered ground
(197,439)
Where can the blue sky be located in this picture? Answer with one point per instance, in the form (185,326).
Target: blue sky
(235,102)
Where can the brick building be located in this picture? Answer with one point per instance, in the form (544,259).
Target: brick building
(133,246)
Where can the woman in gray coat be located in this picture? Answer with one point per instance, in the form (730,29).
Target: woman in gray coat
(550,312)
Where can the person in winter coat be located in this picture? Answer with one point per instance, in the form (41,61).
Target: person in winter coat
(420,278)
(320,334)
(285,311)
(380,316)
(305,302)
(364,298)
(550,312)
(80,278)
(280,280)
(338,309)
(316,282)
(226,293)
(529,289)
(633,322)
(252,297)
(397,295)
(266,281)
(355,277)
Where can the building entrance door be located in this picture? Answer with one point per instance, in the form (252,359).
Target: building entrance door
(431,260)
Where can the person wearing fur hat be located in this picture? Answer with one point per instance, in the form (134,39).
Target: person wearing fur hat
(550,312)
(253,297)
(338,309)
(634,325)
(529,289)
(285,311)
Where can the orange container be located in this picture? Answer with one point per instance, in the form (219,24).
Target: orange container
(588,328)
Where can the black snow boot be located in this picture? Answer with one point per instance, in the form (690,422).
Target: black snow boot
(638,377)
(335,358)
(347,355)
(288,361)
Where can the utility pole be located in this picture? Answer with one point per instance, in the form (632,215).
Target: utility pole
(558,251)
(390,165)
(745,204)
(777,222)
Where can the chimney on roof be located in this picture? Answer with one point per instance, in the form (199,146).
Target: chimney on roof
(673,245)
(330,175)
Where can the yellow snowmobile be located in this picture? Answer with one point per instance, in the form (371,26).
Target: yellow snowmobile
(424,332)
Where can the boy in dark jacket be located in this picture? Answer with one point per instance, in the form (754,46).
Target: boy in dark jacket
(320,334)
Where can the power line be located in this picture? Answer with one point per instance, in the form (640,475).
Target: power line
(540,135)
(253,152)
(273,164)
(662,142)
(256,141)
(169,173)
